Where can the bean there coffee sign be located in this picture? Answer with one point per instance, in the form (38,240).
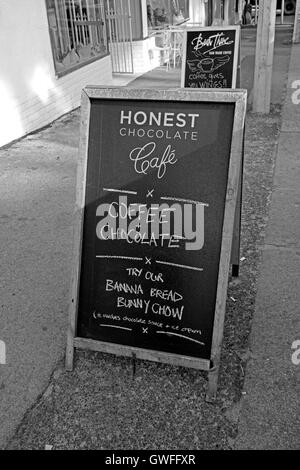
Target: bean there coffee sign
(210,57)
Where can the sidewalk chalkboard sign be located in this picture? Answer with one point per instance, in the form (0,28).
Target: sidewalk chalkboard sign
(210,58)
(158,179)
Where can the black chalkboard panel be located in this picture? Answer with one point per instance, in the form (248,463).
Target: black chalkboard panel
(210,57)
(163,166)
(157,184)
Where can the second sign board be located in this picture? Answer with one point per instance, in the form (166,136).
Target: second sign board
(210,57)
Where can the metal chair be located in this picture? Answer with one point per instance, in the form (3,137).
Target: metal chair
(176,48)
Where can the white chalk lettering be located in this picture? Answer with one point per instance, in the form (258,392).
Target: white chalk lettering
(145,160)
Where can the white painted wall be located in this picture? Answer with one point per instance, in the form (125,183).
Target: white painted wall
(197,12)
(231,17)
(31,95)
(145,55)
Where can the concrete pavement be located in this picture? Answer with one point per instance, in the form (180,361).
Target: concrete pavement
(37,194)
(270,415)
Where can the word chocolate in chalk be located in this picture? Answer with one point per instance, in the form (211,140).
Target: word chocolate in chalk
(145,224)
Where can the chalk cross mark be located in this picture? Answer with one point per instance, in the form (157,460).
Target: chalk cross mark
(150,193)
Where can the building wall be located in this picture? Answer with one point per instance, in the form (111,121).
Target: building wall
(198,12)
(146,56)
(231,16)
(31,95)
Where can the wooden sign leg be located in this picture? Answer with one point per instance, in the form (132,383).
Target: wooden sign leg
(236,240)
(212,386)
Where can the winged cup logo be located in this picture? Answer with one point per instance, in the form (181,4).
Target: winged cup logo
(207,64)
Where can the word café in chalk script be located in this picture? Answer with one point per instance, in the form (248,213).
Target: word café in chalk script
(210,57)
(154,206)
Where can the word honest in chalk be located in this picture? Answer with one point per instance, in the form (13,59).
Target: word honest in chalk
(141,118)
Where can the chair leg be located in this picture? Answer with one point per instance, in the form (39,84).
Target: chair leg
(168,61)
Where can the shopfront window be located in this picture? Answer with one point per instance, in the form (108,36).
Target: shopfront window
(77,32)
(161,13)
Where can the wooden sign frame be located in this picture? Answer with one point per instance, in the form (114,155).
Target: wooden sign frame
(236,244)
(213,28)
(237,97)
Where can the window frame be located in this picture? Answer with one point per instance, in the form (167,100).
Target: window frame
(169,16)
(78,65)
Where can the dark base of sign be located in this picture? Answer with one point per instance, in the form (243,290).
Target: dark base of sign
(235,270)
